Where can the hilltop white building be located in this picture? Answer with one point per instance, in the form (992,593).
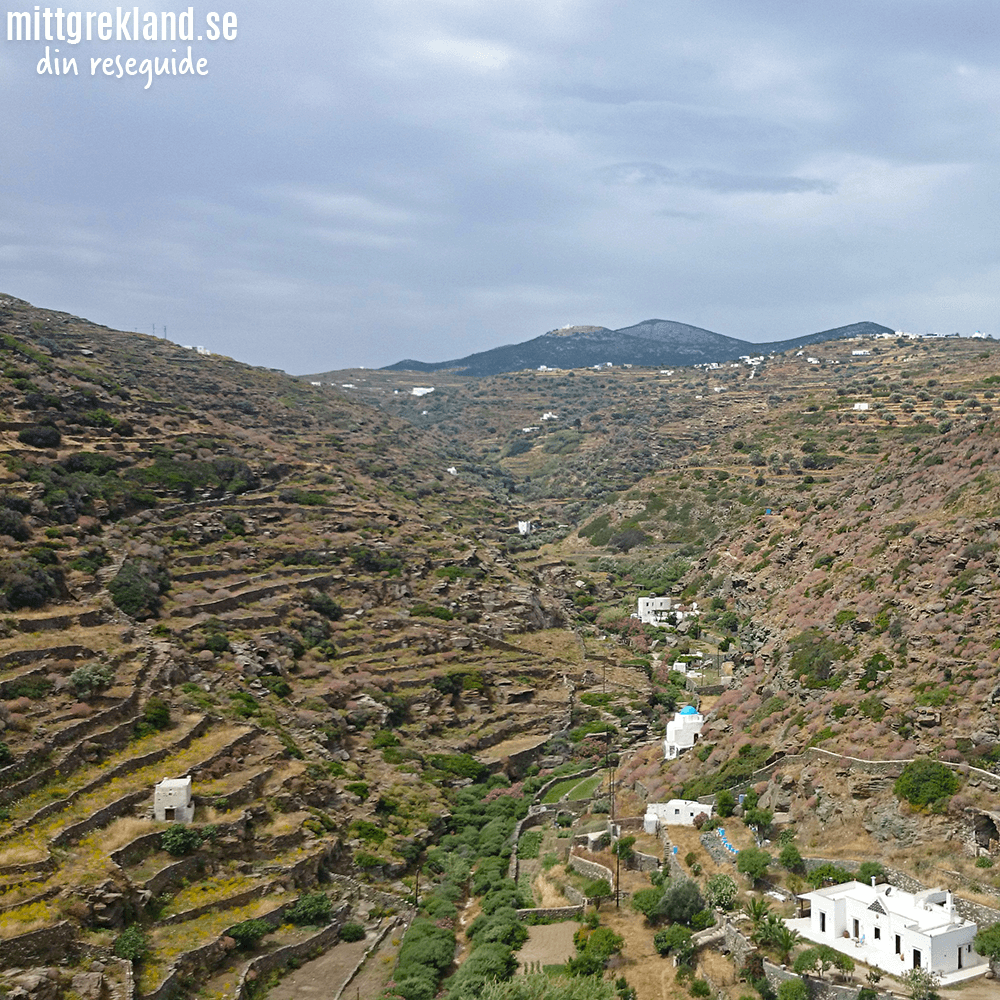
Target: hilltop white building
(173,801)
(682,731)
(896,930)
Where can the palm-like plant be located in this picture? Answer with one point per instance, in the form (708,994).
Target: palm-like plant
(784,939)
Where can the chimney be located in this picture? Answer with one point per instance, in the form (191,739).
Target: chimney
(873,881)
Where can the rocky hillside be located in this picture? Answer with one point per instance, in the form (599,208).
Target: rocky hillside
(315,601)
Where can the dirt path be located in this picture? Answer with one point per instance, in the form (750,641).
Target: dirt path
(323,976)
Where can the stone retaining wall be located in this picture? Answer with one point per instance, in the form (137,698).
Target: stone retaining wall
(41,947)
(318,943)
(591,868)
(553,912)
(175,872)
(370,949)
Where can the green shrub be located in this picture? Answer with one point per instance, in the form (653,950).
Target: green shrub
(34,688)
(180,839)
(132,944)
(313,909)
(91,678)
(43,436)
(137,588)
(156,712)
(359,788)
(6,757)
(247,934)
(676,938)
(352,932)
(926,783)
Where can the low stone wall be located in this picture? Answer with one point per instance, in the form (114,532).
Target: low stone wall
(316,944)
(361,891)
(553,912)
(579,775)
(42,947)
(644,862)
(369,950)
(176,872)
(228,902)
(207,957)
(591,869)
(137,849)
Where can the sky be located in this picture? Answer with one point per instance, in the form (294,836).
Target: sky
(353,183)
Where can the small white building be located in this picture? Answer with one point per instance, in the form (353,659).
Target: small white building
(654,610)
(524,527)
(676,812)
(861,406)
(172,800)
(895,930)
(682,731)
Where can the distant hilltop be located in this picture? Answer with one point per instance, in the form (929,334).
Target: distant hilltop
(653,342)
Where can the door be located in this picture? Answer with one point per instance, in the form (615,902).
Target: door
(168,813)
(856,930)
(916,958)
(960,956)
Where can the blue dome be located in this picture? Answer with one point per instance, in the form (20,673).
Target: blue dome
(688,710)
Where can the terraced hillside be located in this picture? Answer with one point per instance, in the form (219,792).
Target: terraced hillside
(324,613)
(214,570)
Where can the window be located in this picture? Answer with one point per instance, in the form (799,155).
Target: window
(822,922)
(878,933)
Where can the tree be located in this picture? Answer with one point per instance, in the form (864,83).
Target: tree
(793,989)
(597,890)
(760,820)
(987,941)
(869,870)
(784,940)
(720,890)
(817,959)
(623,848)
(790,859)
(753,862)
(681,900)
(676,939)
(757,909)
(725,803)
(922,984)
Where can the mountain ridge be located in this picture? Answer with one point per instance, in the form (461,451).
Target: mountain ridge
(650,342)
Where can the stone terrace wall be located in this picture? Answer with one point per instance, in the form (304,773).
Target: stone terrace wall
(281,956)
(553,912)
(591,869)
(41,947)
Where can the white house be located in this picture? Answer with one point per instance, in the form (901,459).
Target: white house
(893,929)
(682,731)
(861,406)
(676,812)
(524,527)
(172,800)
(654,610)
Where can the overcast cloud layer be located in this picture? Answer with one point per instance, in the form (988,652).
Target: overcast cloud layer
(358,182)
